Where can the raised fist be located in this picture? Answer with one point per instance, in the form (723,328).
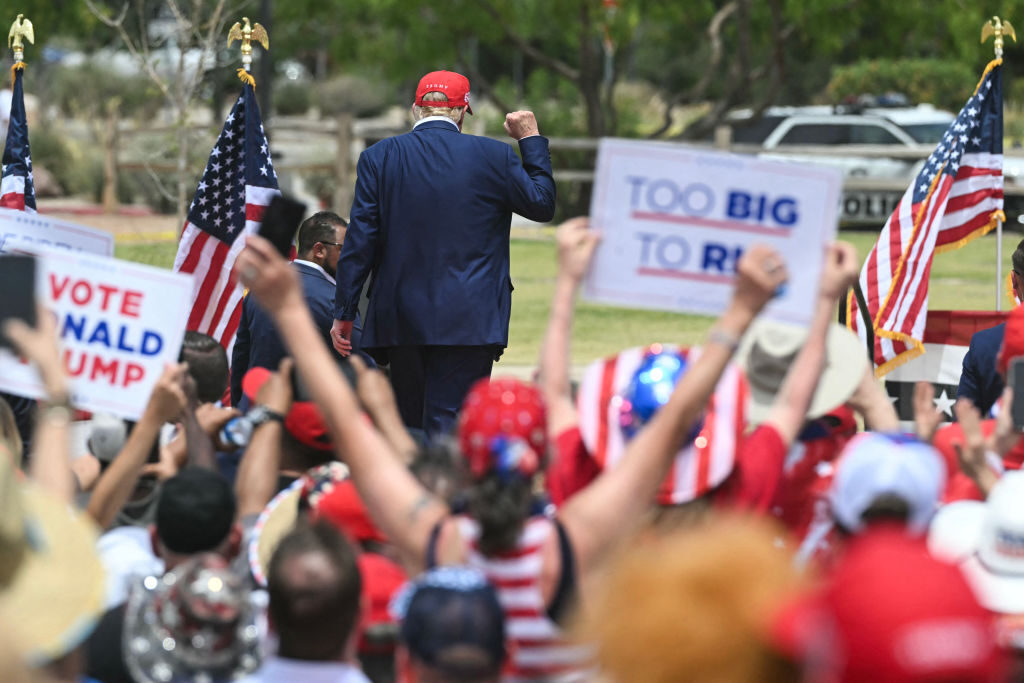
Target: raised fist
(521,124)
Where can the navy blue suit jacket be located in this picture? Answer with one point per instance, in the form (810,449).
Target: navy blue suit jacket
(430,219)
(979,379)
(258,345)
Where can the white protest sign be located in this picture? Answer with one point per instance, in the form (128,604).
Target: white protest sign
(21,231)
(676,220)
(119,324)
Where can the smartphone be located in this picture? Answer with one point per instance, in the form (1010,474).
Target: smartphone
(281,222)
(18,284)
(1015,378)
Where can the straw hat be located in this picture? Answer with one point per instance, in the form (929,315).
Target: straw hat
(278,517)
(769,348)
(51,579)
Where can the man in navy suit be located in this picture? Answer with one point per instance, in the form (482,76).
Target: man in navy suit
(258,344)
(430,220)
(979,379)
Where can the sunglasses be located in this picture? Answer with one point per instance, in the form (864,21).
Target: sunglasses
(332,244)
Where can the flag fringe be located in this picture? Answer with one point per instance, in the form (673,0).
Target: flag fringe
(15,68)
(246,77)
(983,230)
(917,348)
(988,68)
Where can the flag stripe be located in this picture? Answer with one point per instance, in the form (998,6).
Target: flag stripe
(206,290)
(954,198)
(236,187)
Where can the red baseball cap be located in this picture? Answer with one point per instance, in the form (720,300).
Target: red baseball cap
(304,421)
(343,507)
(892,613)
(382,579)
(455,86)
(1013,339)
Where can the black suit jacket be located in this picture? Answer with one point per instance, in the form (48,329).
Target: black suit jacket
(979,379)
(430,220)
(258,345)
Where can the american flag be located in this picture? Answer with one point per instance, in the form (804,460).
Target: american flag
(957,196)
(16,188)
(237,185)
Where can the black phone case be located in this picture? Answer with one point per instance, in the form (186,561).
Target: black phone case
(17,291)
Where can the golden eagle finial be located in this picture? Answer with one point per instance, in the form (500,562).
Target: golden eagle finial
(247,33)
(21,28)
(998,28)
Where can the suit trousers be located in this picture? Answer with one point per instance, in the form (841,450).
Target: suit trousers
(430,383)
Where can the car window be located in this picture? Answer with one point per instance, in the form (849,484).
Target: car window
(926,132)
(817,134)
(871,134)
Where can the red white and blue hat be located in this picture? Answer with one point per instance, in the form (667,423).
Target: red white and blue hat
(702,464)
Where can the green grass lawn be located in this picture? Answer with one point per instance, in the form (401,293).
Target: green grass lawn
(963,279)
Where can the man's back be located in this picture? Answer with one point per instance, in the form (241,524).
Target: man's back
(435,206)
(980,381)
(258,344)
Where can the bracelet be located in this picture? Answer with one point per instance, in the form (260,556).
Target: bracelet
(722,338)
(57,412)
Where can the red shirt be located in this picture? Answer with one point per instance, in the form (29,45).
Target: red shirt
(571,469)
(751,486)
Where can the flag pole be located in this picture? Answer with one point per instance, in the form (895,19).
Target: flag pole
(999,264)
(995,28)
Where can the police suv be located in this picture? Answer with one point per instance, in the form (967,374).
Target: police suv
(874,183)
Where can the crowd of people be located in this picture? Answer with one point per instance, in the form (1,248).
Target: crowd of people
(744,510)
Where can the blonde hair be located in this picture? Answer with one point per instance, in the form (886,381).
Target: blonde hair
(453,113)
(693,605)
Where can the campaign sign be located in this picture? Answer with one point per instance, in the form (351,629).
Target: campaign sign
(119,323)
(21,231)
(676,220)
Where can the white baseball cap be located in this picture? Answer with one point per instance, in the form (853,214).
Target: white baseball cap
(874,465)
(996,570)
(955,531)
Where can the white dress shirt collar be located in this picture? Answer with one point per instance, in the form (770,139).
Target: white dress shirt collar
(436,118)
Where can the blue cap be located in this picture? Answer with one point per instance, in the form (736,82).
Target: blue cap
(452,621)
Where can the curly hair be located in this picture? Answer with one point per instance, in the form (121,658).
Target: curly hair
(694,605)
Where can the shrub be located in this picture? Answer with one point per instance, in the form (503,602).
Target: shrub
(292,98)
(944,83)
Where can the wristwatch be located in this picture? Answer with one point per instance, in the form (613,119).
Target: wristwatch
(259,414)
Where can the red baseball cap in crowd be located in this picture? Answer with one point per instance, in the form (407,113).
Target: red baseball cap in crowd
(1013,339)
(303,421)
(503,428)
(892,613)
(382,579)
(342,507)
(454,85)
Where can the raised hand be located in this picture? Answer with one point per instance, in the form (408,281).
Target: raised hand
(39,345)
(576,244)
(168,398)
(840,269)
(759,275)
(521,124)
(926,416)
(276,392)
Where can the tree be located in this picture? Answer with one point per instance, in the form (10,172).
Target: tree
(157,31)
